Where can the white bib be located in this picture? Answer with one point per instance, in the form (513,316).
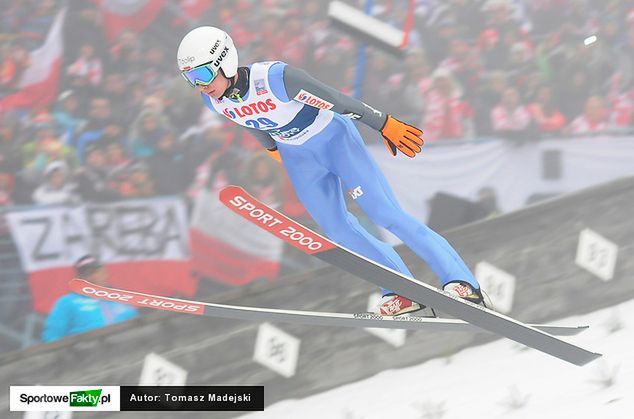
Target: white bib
(288,122)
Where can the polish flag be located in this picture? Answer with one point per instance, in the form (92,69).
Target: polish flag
(228,249)
(39,82)
(135,15)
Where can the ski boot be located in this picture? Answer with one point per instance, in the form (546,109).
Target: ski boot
(465,291)
(395,305)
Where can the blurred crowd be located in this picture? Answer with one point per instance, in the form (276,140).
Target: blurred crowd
(125,125)
(515,69)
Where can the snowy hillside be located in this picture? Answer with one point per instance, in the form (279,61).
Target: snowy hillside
(497,380)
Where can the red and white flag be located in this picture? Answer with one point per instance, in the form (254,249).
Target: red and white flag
(226,248)
(135,15)
(142,243)
(39,82)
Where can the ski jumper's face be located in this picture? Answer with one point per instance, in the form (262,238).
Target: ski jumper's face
(216,88)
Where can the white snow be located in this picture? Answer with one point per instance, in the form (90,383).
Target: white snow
(496,380)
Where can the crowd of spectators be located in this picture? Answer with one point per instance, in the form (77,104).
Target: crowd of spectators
(125,125)
(516,69)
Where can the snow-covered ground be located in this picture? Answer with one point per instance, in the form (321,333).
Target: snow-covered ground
(496,380)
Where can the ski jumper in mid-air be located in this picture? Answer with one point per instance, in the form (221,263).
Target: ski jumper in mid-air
(308,126)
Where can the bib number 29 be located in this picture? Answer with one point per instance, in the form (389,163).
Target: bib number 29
(260,123)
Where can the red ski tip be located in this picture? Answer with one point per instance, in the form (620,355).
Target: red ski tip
(136,299)
(239,201)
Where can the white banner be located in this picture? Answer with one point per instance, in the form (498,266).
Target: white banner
(64,398)
(118,232)
(514,171)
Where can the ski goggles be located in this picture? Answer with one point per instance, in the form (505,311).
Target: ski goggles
(202,75)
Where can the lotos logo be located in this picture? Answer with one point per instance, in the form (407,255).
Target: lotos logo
(312,100)
(229,113)
(255,108)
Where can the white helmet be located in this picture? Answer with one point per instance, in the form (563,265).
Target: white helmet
(207,44)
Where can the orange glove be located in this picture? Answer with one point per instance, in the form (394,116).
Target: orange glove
(401,136)
(275,155)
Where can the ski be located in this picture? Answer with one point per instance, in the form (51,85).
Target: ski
(137,299)
(306,240)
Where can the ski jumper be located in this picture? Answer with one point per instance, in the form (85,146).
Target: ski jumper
(324,154)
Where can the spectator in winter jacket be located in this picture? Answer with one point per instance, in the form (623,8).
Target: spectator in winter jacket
(99,113)
(510,118)
(446,115)
(13,60)
(117,157)
(100,124)
(593,120)
(87,65)
(134,181)
(92,178)
(486,98)
(168,166)
(622,110)
(123,108)
(573,89)
(75,313)
(66,115)
(56,188)
(111,133)
(145,132)
(547,117)
(45,147)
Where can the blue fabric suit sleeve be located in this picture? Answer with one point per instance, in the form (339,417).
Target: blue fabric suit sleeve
(276,81)
(207,102)
(296,80)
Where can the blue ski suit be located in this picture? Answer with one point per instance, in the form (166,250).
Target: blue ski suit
(311,126)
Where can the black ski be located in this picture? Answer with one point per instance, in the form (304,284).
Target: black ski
(316,318)
(306,240)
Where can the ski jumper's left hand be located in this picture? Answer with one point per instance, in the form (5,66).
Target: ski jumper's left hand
(274,154)
(398,135)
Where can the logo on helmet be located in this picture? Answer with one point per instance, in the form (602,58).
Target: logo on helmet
(223,54)
(185,61)
(214,48)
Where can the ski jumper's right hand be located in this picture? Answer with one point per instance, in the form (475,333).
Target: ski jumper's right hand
(398,135)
